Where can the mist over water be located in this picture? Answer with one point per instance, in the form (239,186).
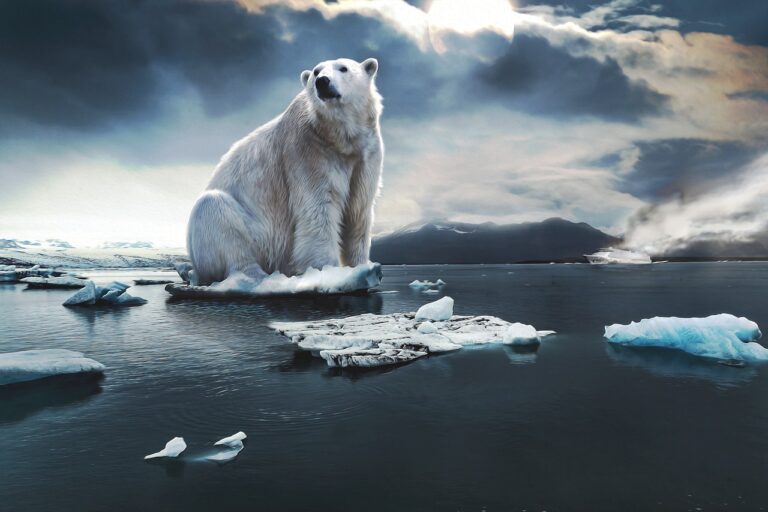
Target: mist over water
(575,425)
(730,219)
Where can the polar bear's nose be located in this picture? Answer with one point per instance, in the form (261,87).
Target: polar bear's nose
(325,90)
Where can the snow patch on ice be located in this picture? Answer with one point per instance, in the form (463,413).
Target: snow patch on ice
(722,336)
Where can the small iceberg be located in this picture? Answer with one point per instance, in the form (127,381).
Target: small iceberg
(329,280)
(65,281)
(723,337)
(521,334)
(370,340)
(436,311)
(30,365)
(618,256)
(427,286)
(112,294)
(233,440)
(231,445)
(173,448)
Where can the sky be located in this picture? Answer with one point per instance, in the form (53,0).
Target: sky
(642,118)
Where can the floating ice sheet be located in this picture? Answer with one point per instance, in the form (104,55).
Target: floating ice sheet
(329,280)
(30,365)
(722,336)
(379,340)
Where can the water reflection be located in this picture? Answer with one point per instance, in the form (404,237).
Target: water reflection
(19,401)
(286,308)
(678,364)
(174,468)
(522,354)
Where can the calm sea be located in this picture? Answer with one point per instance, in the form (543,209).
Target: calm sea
(575,426)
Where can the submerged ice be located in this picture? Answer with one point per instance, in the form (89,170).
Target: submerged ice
(30,365)
(378,340)
(722,336)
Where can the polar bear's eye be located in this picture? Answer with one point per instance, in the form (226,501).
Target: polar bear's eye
(317,72)
(343,69)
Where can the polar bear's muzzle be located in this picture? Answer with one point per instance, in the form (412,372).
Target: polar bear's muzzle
(325,90)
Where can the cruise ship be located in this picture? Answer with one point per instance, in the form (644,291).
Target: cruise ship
(621,256)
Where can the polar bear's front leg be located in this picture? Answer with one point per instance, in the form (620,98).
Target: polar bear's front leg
(358,214)
(316,233)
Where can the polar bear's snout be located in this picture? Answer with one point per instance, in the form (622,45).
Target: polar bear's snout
(325,89)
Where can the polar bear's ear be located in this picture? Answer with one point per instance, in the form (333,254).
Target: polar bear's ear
(305,77)
(371,66)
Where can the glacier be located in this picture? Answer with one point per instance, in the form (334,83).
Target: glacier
(328,280)
(723,337)
(30,365)
(371,340)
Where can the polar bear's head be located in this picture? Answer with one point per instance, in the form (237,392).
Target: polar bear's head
(340,82)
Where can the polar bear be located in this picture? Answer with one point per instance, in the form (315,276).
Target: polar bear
(298,192)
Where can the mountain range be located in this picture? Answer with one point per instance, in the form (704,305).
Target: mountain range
(553,239)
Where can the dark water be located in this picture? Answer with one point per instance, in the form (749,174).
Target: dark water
(577,425)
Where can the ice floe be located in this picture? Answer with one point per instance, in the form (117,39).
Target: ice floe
(228,454)
(723,337)
(173,448)
(329,280)
(378,340)
(66,281)
(427,286)
(146,282)
(112,293)
(30,365)
(233,440)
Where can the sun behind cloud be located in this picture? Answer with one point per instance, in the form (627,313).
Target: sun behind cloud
(469,17)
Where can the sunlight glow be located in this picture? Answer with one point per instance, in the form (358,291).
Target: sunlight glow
(469,17)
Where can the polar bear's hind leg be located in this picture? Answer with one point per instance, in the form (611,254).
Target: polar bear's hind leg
(222,237)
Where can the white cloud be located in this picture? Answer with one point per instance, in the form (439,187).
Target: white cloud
(502,166)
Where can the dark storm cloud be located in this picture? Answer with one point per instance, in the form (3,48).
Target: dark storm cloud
(537,77)
(84,63)
(88,64)
(745,20)
(674,167)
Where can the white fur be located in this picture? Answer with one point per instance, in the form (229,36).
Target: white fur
(298,192)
